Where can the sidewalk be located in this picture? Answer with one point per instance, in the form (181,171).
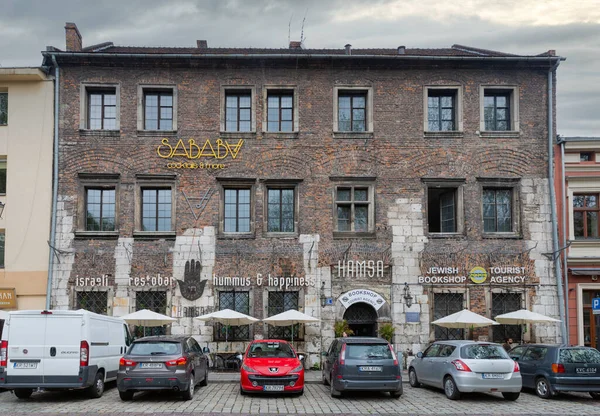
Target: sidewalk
(310,377)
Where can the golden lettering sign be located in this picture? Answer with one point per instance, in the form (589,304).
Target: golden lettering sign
(220,149)
(8,299)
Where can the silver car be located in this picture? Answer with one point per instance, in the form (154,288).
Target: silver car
(466,367)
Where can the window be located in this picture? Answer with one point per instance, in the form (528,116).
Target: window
(586,211)
(156,209)
(102,109)
(92,301)
(158,110)
(442,209)
(445,304)
(155,301)
(3,108)
(497,210)
(281,210)
(100,209)
(586,157)
(504,303)
(239,302)
(352,111)
(354,211)
(238,111)
(280,302)
(2,248)
(441,110)
(237,218)
(280,111)
(499,111)
(2,176)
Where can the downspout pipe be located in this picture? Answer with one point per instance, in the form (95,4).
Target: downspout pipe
(555,249)
(563,196)
(54,185)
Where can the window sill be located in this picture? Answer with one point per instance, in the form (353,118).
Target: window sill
(280,135)
(236,236)
(445,235)
(104,235)
(338,235)
(585,242)
(443,134)
(238,134)
(500,134)
(353,134)
(157,133)
(155,235)
(288,236)
(100,133)
(496,236)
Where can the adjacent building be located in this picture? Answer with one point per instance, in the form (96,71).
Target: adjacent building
(578,185)
(26,137)
(368,185)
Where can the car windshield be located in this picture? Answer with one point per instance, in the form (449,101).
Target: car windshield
(483,352)
(155,348)
(579,355)
(271,350)
(368,351)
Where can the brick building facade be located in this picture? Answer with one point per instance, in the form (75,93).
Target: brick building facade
(373,185)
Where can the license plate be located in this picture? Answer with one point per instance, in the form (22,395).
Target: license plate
(273,388)
(581,370)
(151,365)
(24,365)
(492,375)
(371,368)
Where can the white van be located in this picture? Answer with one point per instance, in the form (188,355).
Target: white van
(58,350)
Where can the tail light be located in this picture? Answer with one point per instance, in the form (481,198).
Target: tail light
(179,361)
(3,353)
(84,354)
(461,366)
(45,313)
(343,355)
(516,369)
(127,363)
(393,355)
(558,368)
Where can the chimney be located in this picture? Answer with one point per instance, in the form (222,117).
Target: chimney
(401,50)
(294,44)
(552,52)
(348,49)
(202,44)
(73,37)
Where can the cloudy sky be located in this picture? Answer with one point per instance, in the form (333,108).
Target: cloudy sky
(571,27)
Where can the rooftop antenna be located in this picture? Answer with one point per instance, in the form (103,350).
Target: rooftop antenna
(290,28)
(302,32)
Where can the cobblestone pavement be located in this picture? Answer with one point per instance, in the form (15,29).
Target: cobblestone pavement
(225,399)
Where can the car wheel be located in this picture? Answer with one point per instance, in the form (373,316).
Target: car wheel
(96,390)
(396,394)
(204,382)
(511,396)
(412,378)
(333,391)
(242,392)
(189,393)
(23,393)
(450,389)
(542,388)
(126,395)
(301,392)
(324,379)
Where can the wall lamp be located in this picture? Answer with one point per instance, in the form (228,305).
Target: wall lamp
(408,299)
(2,205)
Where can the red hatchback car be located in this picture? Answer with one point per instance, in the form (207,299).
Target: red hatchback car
(271,366)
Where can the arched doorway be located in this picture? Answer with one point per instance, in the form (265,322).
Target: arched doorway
(362,319)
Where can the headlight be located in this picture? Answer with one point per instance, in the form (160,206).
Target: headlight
(248,369)
(297,369)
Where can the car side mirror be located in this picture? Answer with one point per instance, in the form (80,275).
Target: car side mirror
(325,354)
(300,357)
(515,358)
(206,350)
(419,355)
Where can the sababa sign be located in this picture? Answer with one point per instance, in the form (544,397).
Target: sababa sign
(198,155)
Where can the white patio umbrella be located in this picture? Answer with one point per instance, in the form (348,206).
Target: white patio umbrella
(290,317)
(3,316)
(523,316)
(146,318)
(464,319)
(228,317)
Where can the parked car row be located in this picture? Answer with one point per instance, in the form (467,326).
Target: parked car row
(467,366)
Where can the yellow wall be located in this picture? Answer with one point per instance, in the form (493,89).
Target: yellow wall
(27,143)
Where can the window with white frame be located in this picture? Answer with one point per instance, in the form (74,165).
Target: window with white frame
(443,109)
(102,109)
(354,210)
(3,108)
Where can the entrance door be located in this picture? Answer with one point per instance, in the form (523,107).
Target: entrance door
(362,319)
(591,322)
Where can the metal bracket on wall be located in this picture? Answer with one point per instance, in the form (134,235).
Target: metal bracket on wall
(203,201)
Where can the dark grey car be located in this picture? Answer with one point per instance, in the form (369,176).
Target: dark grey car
(552,368)
(362,363)
(174,363)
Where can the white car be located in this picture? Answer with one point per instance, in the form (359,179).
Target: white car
(466,367)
